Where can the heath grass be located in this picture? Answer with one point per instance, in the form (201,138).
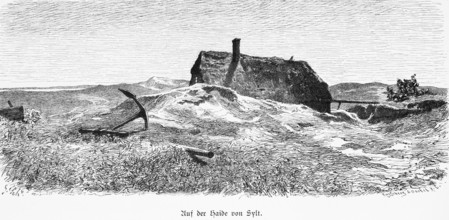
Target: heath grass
(69,162)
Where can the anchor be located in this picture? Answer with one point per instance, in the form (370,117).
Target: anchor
(141,114)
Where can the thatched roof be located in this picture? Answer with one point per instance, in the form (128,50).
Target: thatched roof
(263,77)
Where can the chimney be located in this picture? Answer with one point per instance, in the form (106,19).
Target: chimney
(235,50)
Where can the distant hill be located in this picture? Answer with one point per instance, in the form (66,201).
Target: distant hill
(353,85)
(358,91)
(377,91)
(344,87)
(55,101)
(161,83)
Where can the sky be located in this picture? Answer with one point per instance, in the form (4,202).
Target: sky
(64,43)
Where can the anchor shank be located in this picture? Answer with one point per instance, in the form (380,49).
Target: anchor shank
(142,113)
(127,121)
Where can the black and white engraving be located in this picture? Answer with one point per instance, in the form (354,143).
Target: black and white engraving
(260,98)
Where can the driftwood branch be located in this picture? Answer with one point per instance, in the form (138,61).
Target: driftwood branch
(195,152)
(198,151)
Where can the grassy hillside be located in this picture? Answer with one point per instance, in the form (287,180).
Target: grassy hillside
(261,147)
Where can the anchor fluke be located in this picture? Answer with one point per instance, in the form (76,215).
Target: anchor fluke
(127,94)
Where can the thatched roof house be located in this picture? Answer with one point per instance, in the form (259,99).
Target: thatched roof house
(262,77)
